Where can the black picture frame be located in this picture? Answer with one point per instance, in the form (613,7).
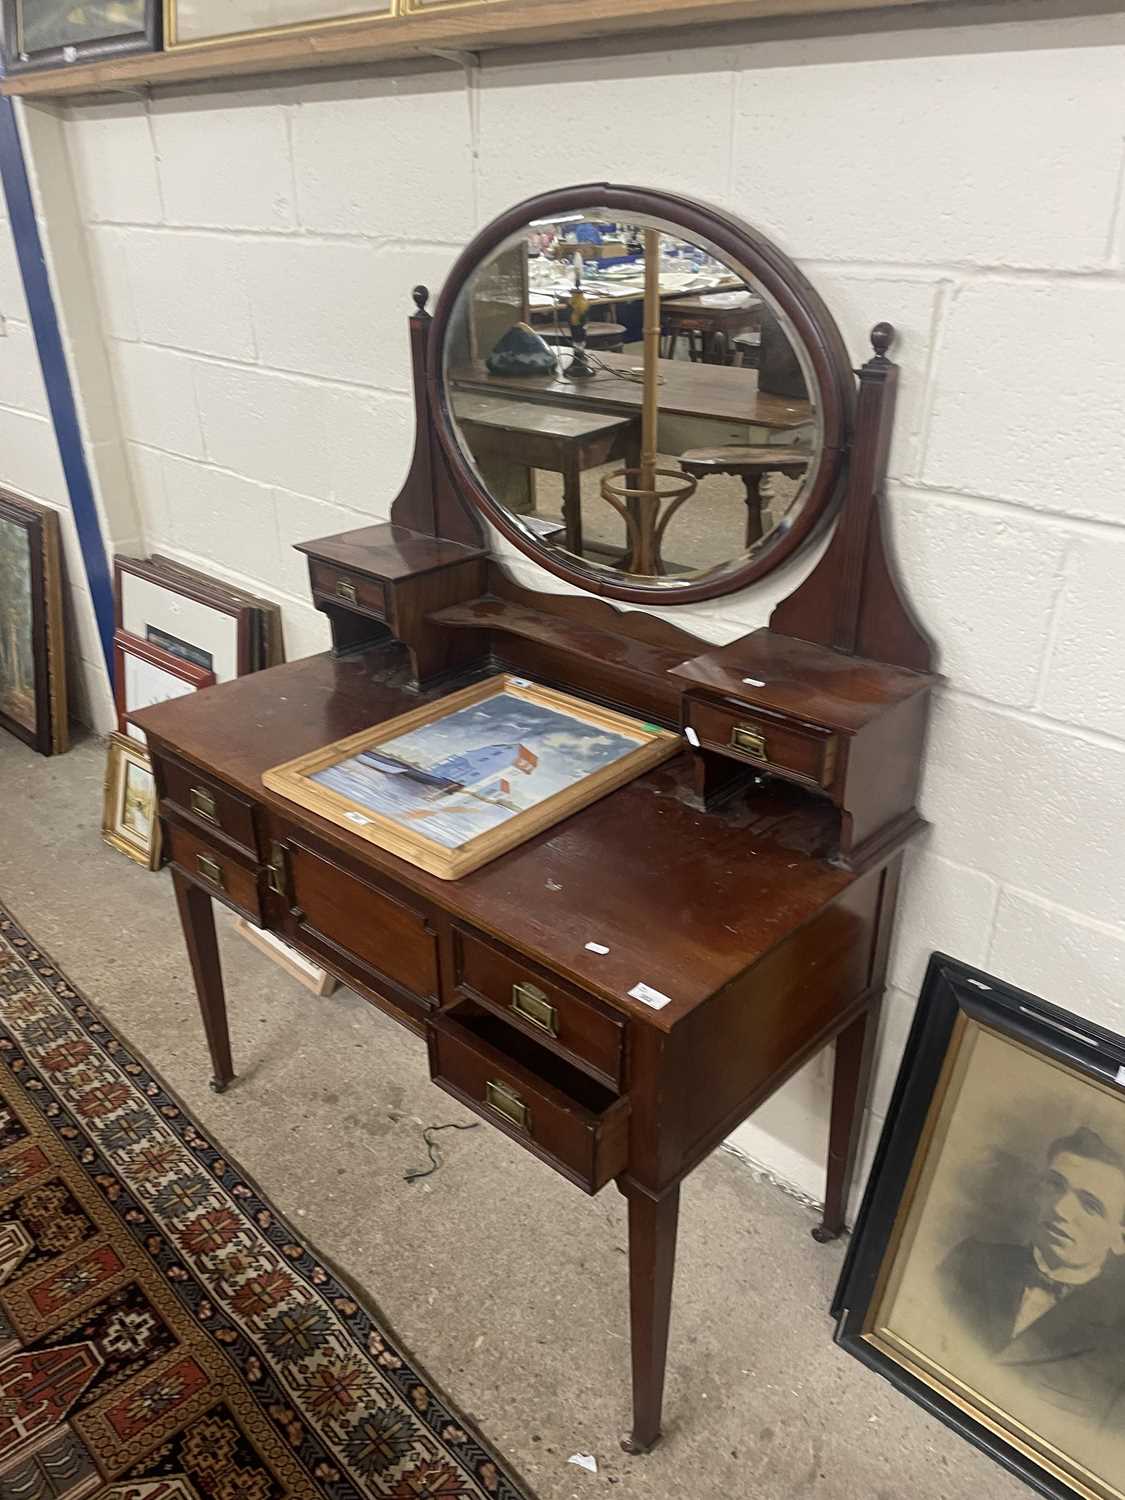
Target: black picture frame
(954,991)
(48,731)
(147,38)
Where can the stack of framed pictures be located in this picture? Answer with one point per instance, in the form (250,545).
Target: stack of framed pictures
(32,650)
(178,631)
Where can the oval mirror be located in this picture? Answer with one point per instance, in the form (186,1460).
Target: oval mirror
(641,394)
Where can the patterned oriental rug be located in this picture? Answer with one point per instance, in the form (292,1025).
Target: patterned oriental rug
(164,1334)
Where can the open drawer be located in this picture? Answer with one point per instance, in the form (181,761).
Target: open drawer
(538,1098)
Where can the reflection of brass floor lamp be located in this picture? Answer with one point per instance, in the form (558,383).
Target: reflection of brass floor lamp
(633,493)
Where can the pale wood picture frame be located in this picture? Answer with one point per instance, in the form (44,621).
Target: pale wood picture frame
(293,779)
(128,764)
(296,965)
(186,23)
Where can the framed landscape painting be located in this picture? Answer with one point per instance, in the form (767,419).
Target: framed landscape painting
(464,779)
(200,23)
(32,651)
(129,818)
(986,1274)
(53,33)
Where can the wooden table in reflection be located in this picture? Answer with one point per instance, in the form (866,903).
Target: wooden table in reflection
(716,392)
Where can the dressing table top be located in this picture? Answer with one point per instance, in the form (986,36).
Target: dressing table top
(684,900)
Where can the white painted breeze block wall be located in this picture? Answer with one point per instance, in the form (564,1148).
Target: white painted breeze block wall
(254,255)
(30,466)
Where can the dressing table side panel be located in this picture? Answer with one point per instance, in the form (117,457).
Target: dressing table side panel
(743,1043)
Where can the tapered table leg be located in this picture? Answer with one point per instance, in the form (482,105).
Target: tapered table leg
(855,1050)
(197,917)
(652,1262)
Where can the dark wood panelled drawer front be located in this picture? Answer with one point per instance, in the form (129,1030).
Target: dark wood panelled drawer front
(209,801)
(799,750)
(559,1113)
(225,876)
(558,1019)
(352,589)
(362,921)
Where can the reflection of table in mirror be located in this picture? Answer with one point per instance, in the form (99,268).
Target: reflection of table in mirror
(722,393)
(537,436)
(709,323)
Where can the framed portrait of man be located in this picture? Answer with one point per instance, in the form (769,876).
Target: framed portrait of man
(986,1274)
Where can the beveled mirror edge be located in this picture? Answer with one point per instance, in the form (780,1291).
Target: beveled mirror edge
(779,277)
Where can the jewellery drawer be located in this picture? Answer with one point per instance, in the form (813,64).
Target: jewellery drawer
(545,1103)
(337,586)
(555,1017)
(220,872)
(208,801)
(776,744)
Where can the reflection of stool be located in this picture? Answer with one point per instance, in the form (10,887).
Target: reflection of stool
(749,464)
(609,336)
(747,349)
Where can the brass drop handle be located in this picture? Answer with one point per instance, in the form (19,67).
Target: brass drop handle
(202,804)
(506,1102)
(346,590)
(531,1005)
(210,869)
(750,741)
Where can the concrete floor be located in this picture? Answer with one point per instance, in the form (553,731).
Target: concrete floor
(507,1284)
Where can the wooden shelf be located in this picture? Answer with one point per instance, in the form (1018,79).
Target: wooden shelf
(467,28)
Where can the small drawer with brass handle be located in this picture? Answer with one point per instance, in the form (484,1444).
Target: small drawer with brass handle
(576,1027)
(224,875)
(337,586)
(550,1107)
(783,746)
(186,790)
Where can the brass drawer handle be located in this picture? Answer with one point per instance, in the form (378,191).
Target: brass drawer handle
(506,1103)
(203,804)
(346,590)
(752,741)
(210,869)
(530,1003)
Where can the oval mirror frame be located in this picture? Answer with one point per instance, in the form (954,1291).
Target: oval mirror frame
(774,273)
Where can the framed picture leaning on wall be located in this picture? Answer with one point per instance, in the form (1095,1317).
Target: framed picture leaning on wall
(52,33)
(32,649)
(986,1274)
(200,23)
(144,674)
(129,817)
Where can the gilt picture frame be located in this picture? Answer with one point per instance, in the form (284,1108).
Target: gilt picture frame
(58,33)
(33,701)
(210,23)
(460,781)
(130,821)
(985,1277)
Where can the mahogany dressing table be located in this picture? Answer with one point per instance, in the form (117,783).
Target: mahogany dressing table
(751,880)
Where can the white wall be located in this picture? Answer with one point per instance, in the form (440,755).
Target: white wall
(254,255)
(30,466)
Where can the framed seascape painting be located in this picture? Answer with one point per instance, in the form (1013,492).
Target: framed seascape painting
(52,33)
(144,674)
(199,23)
(129,819)
(32,651)
(468,777)
(986,1274)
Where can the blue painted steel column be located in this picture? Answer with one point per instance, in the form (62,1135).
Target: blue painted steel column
(56,375)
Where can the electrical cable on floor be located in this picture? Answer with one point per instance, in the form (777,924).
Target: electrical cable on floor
(415,1174)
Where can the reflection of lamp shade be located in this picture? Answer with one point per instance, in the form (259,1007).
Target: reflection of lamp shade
(779,372)
(521,351)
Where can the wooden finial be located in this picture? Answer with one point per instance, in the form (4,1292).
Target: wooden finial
(882,337)
(421,295)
